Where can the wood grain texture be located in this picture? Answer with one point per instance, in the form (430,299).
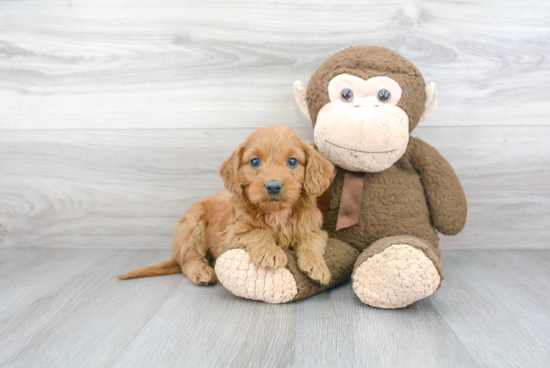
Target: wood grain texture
(491,311)
(186,64)
(115,115)
(501,297)
(128,188)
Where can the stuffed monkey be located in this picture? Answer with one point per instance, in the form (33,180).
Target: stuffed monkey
(390,194)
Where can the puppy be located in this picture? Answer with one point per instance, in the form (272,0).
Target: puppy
(272,179)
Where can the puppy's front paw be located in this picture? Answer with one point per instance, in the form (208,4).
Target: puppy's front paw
(315,267)
(268,256)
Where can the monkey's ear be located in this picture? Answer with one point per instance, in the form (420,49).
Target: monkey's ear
(319,172)
(300,95)
(431,101)
(229,171)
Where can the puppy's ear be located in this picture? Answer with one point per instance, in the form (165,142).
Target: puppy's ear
(319,172)
(229,171)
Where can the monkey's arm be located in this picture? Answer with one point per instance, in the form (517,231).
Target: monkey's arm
(444,193)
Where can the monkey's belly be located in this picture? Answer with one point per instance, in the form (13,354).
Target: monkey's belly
(393,203)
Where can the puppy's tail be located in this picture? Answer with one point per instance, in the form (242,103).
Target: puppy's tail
(155,269)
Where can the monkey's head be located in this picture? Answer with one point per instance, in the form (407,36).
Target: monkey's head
(363,102)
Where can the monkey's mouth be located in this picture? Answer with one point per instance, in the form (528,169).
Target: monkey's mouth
(356,150)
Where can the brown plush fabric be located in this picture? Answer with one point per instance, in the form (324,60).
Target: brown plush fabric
(324,199)
(418,194)
(340,259)
(444,193)
(399,200)
(379,246)
(366,62)
(405,203)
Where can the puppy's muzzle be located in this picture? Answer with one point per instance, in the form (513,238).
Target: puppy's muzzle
(273,186)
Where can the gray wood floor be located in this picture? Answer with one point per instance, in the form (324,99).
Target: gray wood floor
(64,308)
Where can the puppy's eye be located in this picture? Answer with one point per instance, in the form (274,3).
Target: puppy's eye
(255,162)
(384,95)
(346,94)
(292,162)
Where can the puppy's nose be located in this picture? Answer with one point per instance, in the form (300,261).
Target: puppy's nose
(273,186)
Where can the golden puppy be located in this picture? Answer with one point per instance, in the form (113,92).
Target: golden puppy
(273,179)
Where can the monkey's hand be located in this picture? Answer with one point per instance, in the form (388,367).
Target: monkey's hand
(444,193)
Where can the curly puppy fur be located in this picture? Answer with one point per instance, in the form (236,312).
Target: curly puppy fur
(247,215)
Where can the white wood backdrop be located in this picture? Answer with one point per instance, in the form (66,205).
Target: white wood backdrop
(115,114)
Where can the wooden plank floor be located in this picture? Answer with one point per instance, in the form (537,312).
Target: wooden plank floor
(64,308)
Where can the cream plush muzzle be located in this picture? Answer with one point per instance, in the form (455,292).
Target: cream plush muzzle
(360,131)
(365,139)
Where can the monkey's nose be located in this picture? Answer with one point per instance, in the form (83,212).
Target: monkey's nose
(273,186)
(367,102)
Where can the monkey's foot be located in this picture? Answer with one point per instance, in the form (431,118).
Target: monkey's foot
(405,270)
(240,276)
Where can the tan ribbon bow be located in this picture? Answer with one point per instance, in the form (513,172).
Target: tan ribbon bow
(350,203)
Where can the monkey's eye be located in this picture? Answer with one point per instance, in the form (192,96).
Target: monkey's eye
(292,162)
(384,95)
(347,95)
(255,162)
